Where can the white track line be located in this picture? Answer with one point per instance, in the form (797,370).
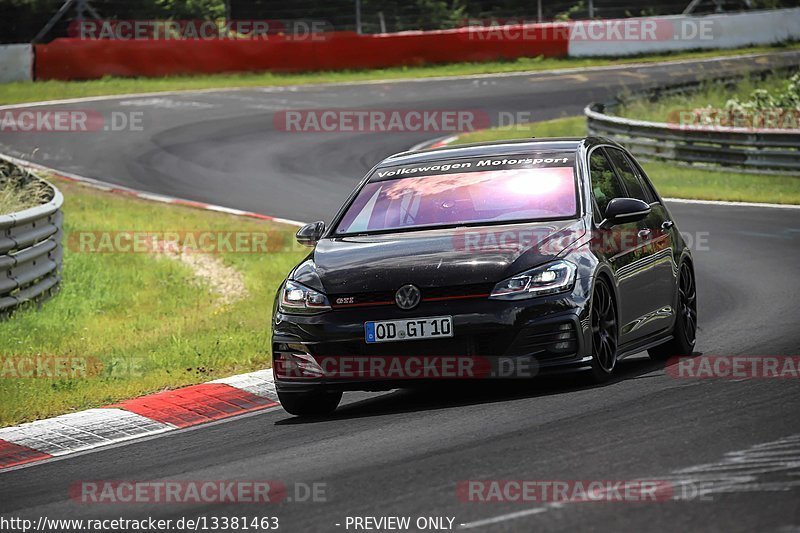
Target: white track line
(504,518)
(732,204)
(110,187)
(740,471)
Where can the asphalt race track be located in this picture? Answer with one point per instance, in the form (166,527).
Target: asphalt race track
(403,453)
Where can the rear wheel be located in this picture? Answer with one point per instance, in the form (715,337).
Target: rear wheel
(685,330)
(604,332)
(310,403)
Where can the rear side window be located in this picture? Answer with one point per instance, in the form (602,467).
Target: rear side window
(605,184)
(648,185)
(629,175)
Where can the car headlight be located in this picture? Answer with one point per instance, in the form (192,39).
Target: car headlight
(551,278)
(298,299)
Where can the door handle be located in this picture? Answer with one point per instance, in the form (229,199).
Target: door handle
(644,233)
(667,224)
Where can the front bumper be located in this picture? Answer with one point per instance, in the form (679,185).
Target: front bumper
(542,335)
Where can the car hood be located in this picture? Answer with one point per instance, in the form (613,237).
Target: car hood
(440,257)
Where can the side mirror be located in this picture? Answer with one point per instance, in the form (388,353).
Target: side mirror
(624,210)
(309,234)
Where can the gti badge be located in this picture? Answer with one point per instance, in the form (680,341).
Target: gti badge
(407,297)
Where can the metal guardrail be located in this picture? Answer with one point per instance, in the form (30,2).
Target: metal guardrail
(31,253)
(752,151)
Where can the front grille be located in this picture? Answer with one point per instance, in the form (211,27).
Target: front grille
(479,290)
(546,342)
(474,290)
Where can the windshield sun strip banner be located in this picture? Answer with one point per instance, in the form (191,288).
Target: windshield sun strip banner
(475,164)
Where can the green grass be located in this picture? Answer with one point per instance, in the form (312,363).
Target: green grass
(19,92)
(671,180)
(716,95)
(681,182)
(147,320)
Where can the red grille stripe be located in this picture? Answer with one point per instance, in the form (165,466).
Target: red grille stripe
(431,299)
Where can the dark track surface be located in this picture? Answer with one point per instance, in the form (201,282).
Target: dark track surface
(403,453)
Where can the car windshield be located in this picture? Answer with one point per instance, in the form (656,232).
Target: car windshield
(464,192)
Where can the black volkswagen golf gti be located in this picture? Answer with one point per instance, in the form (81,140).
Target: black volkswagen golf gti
(499,260)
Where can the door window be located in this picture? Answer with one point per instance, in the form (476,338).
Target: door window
(605,184)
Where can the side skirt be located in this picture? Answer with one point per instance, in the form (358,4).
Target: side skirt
(644,344)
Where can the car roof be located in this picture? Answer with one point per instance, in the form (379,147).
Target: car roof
(493,148)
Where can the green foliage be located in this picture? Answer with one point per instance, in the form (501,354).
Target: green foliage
(787,97)
(188,9)
(413,14)
(442,13)
(769,4)
(572,12)
(715,103)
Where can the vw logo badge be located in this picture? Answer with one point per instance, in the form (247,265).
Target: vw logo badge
(407,297)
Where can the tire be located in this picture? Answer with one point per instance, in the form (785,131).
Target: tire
(684,333)
(310,403)
(605,332)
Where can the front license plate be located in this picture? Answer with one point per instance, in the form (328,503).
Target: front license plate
(438,327)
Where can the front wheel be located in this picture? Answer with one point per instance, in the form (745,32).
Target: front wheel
(309,403)
(685,330)
(604,332)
